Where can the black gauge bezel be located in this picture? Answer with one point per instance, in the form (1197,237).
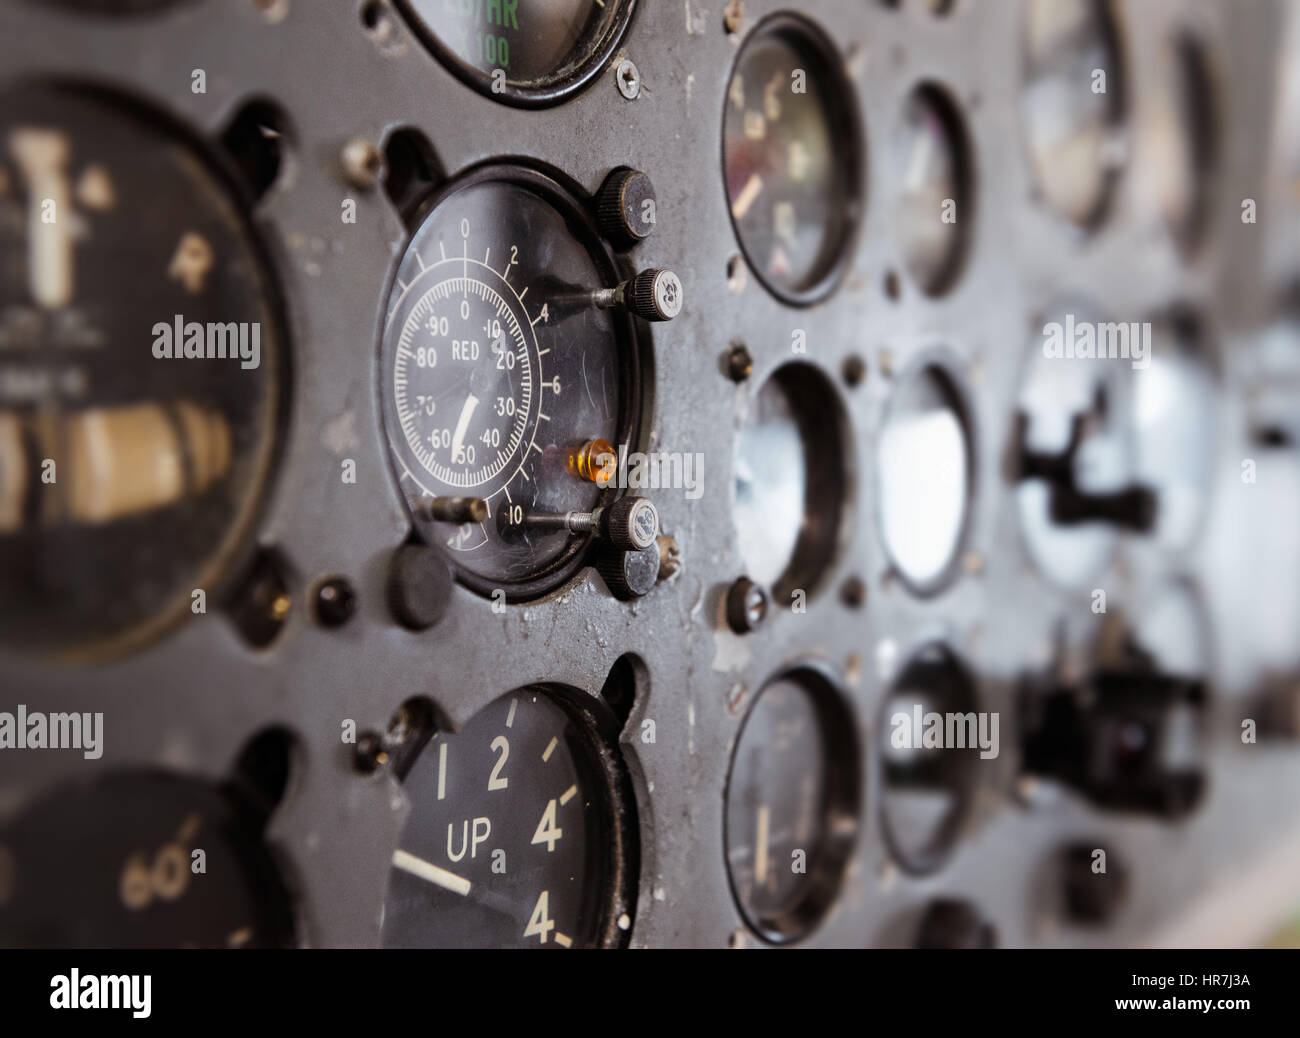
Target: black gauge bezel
(604,773)
(826,436)
(845,120)
(564,83)
(840,808)
(581,223)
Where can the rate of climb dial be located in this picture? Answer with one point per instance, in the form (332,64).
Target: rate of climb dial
(506,843)
(509,362)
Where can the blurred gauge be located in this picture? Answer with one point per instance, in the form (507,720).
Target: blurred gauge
(932,170)
(792,158)
(1178,139)
(928,781)
(526,52)
(925,478)
(1074,410)
(1070,121)
(1170,626)
(141,372)
(792,804)
(790,479)
(142,860)
(502,384)
(1175,429)
(1273,393)
(518,835)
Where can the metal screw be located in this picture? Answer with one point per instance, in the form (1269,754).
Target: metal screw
(628,79)
(369,755)
(362,163)
(746,606)
(456,509)
(853,592)
(335,602)
(740,363)
(670,556)
(855,370)
(274,11)
(733,16)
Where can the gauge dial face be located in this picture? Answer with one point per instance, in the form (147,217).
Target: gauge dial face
(114,863)
(498,371)
(528,52)
(931,169)
(790,474)
(791,804)
(791,159)
(1069,122)
(511,841)
(140,375)
(924,474)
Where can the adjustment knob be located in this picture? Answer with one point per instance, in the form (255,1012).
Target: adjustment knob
(654,294)
(420,586)
(622,209)
(630,574)
(631,523)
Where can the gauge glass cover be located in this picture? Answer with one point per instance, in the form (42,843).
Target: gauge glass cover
(510,841)
(524,52)
(791,804)
(141,357)
(497,370)
(791,159)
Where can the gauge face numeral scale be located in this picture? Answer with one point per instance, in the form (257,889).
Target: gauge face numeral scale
(485,338)
(497,369)
(505,844)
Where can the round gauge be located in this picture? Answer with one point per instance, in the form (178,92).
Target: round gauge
(141,860)
(1175,429)
(518,836)
(1074,412)
(1179,139)
(792,158)
(791,474)
(525,52)
(792,804)
(925,478)
(1072,104)
(928,778)
(141,375)
(931,167)
(504,388)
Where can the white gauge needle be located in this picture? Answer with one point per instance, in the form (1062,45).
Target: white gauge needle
(427,870)
(760,848)
(748,193)
(462,424)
